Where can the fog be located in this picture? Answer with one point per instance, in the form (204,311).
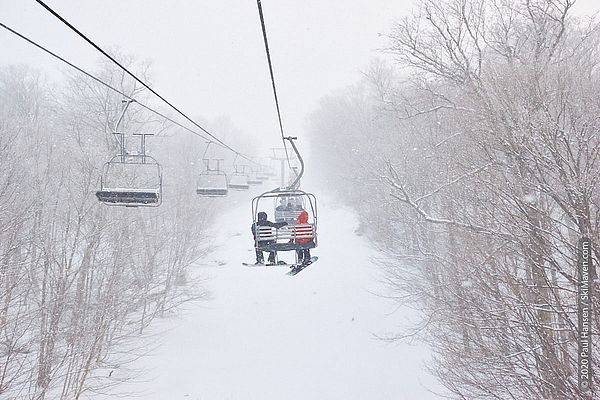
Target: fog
(442,241)
(208,57)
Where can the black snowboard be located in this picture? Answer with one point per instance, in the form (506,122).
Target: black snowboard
(299,267)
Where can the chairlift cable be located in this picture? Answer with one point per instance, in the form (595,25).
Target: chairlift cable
(264,31)
(67,62)
(302,235)
(94,45)
(98,80)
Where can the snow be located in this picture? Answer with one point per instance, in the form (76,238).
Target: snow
(265,335)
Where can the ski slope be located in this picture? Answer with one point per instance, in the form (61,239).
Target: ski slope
(265,335)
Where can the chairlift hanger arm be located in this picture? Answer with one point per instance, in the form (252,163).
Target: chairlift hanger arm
(235,165)
(206,150)
(127,102)
(121,141)
(291,140)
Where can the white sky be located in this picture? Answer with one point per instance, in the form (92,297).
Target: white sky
(208,56)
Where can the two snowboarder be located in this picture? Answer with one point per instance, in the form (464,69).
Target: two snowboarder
(303,234)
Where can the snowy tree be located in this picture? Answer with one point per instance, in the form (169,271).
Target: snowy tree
(494,180)
(80,281)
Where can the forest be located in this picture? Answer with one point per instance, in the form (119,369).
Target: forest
(81,281)
(473,160)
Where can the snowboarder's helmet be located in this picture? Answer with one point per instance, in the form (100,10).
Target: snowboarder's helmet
(262,216)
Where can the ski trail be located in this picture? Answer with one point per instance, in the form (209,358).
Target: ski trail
(266,335)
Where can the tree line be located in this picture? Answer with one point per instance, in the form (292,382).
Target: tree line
(473,161)
(80,281)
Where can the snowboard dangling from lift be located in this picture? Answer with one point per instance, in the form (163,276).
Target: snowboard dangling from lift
(296,268)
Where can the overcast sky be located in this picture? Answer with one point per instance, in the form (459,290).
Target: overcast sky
(208,56)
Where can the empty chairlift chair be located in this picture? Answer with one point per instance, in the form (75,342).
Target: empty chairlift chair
(261,174)
(269,173)
(253,178)
(132,181)
(238,180)
(212,182)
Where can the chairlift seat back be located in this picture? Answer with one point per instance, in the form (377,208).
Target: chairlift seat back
(286,238)
(212,185)
(238,182)
(131,181)
(253,180)
(287,216)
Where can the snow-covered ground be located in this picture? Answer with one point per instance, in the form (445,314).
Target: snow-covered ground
(265,335)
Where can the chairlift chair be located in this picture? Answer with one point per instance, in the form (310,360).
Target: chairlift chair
(212,185)
(288,208)
(284,239)
(261,174)
(253,178)
(132,181)
(212,182)
(239,179)
(269,173)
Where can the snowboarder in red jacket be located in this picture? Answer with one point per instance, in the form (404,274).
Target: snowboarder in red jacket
(305,232)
